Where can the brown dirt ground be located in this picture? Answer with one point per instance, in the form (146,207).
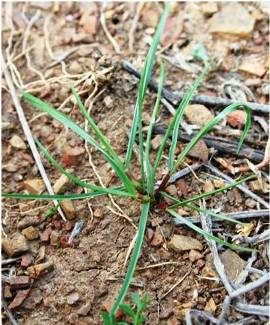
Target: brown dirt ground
(94,267)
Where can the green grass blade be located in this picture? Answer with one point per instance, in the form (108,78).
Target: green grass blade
(208,235)
(149,169)
(145,77)
(210,125)
(219,190)
(95,128)
(74,127)
(52,197)
(180,112)
(75,179)
(133,259)
(205,211)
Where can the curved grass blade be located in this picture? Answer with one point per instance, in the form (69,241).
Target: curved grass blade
(95,128)
(210,125)
(205,211)
(74,127)
(180,112)
(206,194)
(133,259)
(149,169)
(145,77)
(75,179)
(208,235)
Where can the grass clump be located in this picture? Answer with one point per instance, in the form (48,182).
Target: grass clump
(143,191)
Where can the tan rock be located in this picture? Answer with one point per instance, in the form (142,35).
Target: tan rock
(34,186)
(98,213)
(210,306)
(181,243)
(89,23)
(17,142)
(15,245)
(233,20)
(36,270)
(198,114)
(233,264)
(61,184)
(69,209)
(219,183)
(54,238)
(156,142)
(208,186)
(209,8)
(194,255)
(157,239)
(30,233)
(253,65)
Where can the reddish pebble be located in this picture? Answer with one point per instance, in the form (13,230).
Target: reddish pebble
(58,224)
(69,225)
(27,260)
(45,235)
(64,241)
(200,263)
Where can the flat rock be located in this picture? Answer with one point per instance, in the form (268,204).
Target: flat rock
(233,264)
(54,238)
(69,209)
(19,298)
(71,156)
(27,222)
(34,186)
(84,310)
(61,184)
(233,20)
(209,8)
(19,282)
(253,65)
(194,255)
(15,245)
(30,233)
(36,270)
(199,151)
(17,142)
(73,298)
(181,243)
(198,114)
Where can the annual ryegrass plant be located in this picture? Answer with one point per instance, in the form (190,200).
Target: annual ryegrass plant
(145,190)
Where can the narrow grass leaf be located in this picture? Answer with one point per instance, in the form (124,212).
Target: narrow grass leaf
(95,128)
(205,211)
(180,112)
(74,127)
(145,77)
(219,190)
(208,235)
(52,197)
(149,169)
(210,125)
(75,179)
(133,259)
